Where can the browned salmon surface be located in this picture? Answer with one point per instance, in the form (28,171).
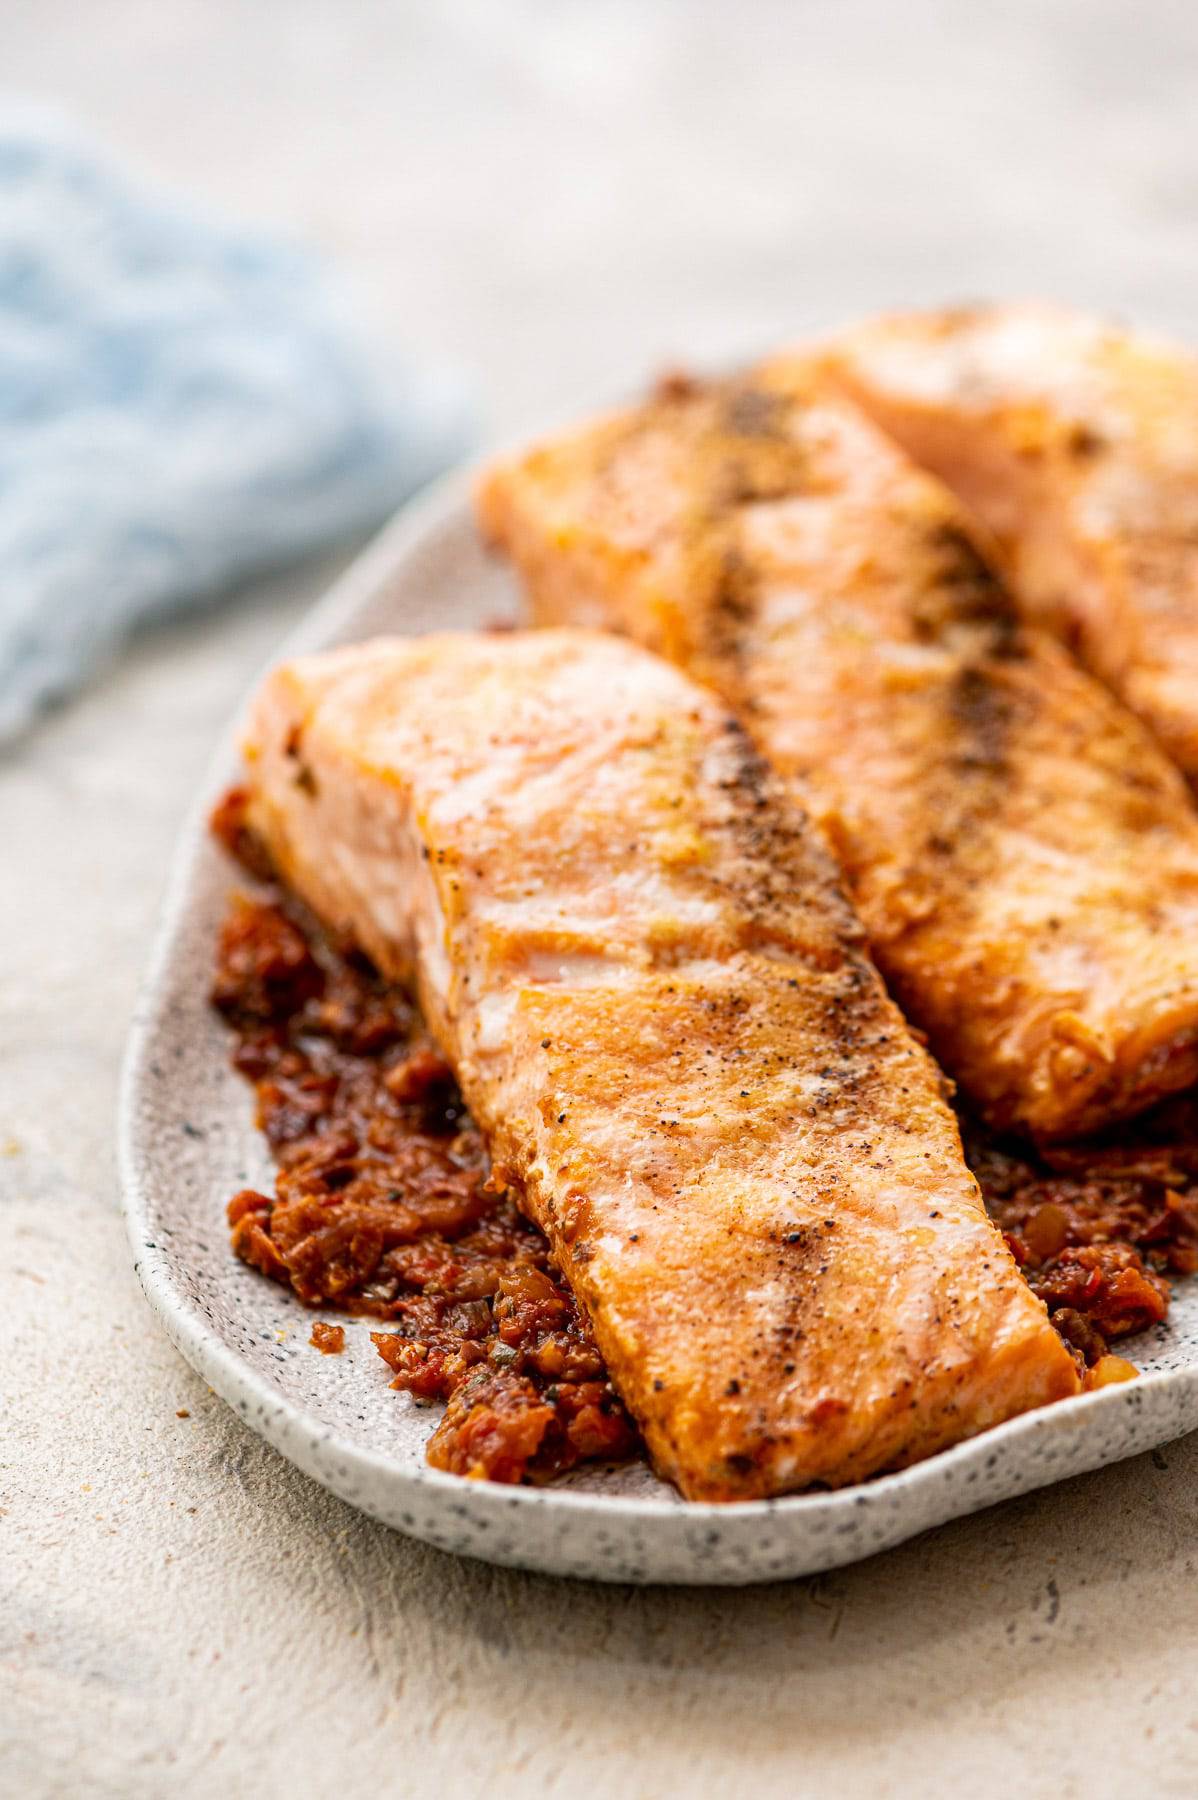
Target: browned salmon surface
(1077,444)
(1023,856)
(633,949)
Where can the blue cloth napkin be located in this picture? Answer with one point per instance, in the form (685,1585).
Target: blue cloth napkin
(182,403)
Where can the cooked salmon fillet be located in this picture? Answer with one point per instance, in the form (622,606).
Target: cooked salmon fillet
(1077,444)
(1023,856)
(634,951)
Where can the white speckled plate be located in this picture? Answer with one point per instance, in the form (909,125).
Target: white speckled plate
(188,1143)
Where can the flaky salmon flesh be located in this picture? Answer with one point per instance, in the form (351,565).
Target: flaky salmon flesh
(1076,443)
(1024,857)
(634,950)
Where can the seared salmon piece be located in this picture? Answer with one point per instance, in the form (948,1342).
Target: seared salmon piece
(1023,856)
(1077,445)
(634,951)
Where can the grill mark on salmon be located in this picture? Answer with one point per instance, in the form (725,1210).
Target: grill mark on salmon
(635,952)
(990,804)
(963,608)
(965,595)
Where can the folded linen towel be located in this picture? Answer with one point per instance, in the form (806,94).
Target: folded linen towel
(182,402)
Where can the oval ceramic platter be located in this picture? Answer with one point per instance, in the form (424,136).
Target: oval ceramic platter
(188,1143)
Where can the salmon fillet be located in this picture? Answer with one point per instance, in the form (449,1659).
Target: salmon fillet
(635,953)
(995,811)
(1077,444)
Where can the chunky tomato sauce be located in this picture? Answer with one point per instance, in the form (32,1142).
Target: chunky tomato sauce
(1098,1227)
(382,1206)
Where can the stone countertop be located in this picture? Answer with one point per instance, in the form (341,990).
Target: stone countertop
(560,197)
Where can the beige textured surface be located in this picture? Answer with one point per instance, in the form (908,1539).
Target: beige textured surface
(558,195)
